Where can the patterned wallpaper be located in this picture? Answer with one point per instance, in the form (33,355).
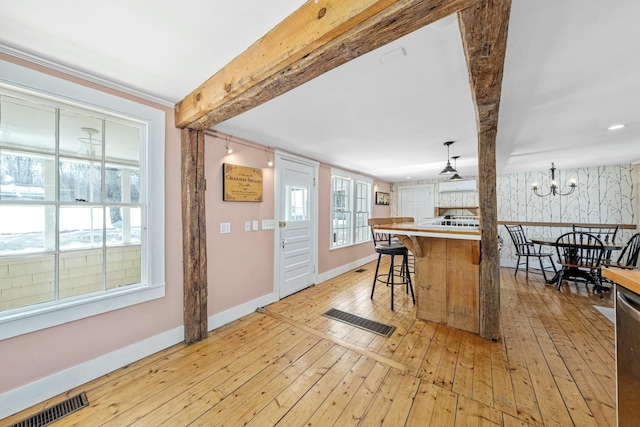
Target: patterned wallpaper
(605,195)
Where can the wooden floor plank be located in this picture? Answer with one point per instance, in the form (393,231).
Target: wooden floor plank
(431,361)
(383,399)
(447,368)
(503,397)
(423,405)
(308,403)
(229,401)
(465,367)
(472,413)
(256,397)
(402,402)
(482,373)
(554,364)
(358,405)
(328,412)
(284,401)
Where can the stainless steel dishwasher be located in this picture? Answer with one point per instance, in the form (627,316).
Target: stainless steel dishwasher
(628,356)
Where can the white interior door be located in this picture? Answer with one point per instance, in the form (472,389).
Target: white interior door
(417,202)
(296,254)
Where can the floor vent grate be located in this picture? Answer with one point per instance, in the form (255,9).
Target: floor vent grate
(361,270)
(361,322)
(54,413)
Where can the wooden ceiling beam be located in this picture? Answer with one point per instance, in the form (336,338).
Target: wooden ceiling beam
(313,40)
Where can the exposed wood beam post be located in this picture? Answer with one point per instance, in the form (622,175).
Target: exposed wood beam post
(484,36)
(194,239)
(311,41)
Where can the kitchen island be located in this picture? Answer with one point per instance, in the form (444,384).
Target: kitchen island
(446,279)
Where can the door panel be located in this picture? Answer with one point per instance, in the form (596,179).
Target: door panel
(417,202)
(297,247)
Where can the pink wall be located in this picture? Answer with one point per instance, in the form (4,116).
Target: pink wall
(240,264)
(45,352)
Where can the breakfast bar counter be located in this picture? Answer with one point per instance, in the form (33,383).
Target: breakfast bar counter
(446,276)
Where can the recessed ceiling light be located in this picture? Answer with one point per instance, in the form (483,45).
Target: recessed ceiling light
(408,177)
(615,127)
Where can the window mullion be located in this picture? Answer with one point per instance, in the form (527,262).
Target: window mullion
(56,185)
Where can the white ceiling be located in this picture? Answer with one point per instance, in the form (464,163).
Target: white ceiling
(572,69)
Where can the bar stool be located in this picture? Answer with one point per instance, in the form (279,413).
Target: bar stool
(384,246)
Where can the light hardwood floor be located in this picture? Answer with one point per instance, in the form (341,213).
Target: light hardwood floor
(291,366)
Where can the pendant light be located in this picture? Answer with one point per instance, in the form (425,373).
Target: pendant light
(455,176)
(448,169)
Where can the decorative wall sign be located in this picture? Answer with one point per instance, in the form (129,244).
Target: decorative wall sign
(382,198)
(241,183)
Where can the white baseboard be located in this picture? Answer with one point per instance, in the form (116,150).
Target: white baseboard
(28,395)
(238,311)
(344,268)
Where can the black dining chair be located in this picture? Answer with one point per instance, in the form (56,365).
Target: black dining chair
(580,255)
(628,258)
(385,245)
(606,234)
(527,249)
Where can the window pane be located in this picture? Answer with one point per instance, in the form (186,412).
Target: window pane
(19,289)
(80,135)
(123,225)
(123,266)
(25,176)
(363,204)
(26,124)
(80,181)
(26,229)
(298,202)
(342,214)
(134,186)
(80,227)
(122,143)
(80,273)
(113,184)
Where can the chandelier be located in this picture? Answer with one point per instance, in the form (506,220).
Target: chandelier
(553,189)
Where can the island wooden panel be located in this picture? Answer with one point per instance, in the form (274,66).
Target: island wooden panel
(462,284)
(430,278)
(446,280)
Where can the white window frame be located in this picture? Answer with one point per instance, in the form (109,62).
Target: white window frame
(40,316)
(353,180)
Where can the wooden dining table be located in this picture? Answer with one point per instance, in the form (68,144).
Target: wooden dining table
(606,246)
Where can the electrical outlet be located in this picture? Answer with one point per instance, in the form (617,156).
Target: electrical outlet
(247,226)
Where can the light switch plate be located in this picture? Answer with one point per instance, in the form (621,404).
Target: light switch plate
(247,226)
(225,227)
(255,225)
(268,224)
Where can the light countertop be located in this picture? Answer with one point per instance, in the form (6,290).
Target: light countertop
(629,279)
(443,232)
